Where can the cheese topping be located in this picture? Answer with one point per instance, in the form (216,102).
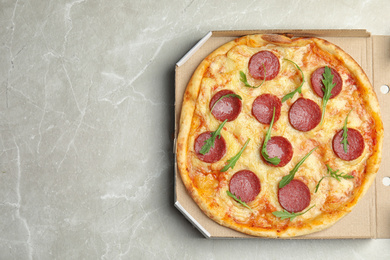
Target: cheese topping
(223,73)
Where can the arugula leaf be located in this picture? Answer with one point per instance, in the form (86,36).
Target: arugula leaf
(275,160)
(210,141)
(225,96)
(284,214)
(245,81)
(238,199)
(318,184)
(333,174)
(232,161)
(298,89)
(344,141)
(286,179)
(329,85)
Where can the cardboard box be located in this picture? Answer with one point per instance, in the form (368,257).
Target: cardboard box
(371,216)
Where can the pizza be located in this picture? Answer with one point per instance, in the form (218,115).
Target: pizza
(278,136)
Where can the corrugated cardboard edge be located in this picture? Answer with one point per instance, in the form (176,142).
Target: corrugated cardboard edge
(296,33)
(194,49)
(192,220)
(177,204)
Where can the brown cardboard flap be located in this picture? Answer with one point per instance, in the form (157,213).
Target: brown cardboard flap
(297,33)
(371,216)
(381,66)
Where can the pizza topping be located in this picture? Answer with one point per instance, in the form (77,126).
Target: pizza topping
(238,199)
(228,107)
(285,137)
(275,160)
(225,96)
(210,141)
(355,144)
(288,178)
(244,80)
(327,81)
(264,105)
(298,89)
(284,214)
(261,62)
(279,147)
(333,174)
(208,147)
(244,185)
(304,114)
(295,196)
(318,85)
(344,141)
(232,161)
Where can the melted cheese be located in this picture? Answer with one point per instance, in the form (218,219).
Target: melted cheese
(223,73)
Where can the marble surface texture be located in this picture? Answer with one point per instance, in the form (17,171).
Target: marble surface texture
(86,125)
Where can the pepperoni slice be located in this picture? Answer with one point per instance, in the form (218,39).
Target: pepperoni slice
(280,147)
(355,145)
(304,114)
(263,108)
(216,153)
(295,196)
(245,185)
(270,61)
(227,108)
(318,86)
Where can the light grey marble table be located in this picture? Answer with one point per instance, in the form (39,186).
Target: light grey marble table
(86,124)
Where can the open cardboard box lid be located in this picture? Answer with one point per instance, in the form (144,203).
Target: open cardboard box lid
(371,216)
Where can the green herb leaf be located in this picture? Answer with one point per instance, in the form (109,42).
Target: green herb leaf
(275,160)
(238,199)
(284,214)
(225,96)
(329,85)
(344,141)
(298,89)
(210,141)
(245,81)
(318,184)
(286,179)
(333,174)
(232,161)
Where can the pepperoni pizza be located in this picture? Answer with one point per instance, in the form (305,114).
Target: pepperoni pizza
(279,137)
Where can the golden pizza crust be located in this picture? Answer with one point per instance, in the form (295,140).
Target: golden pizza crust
(226,212)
